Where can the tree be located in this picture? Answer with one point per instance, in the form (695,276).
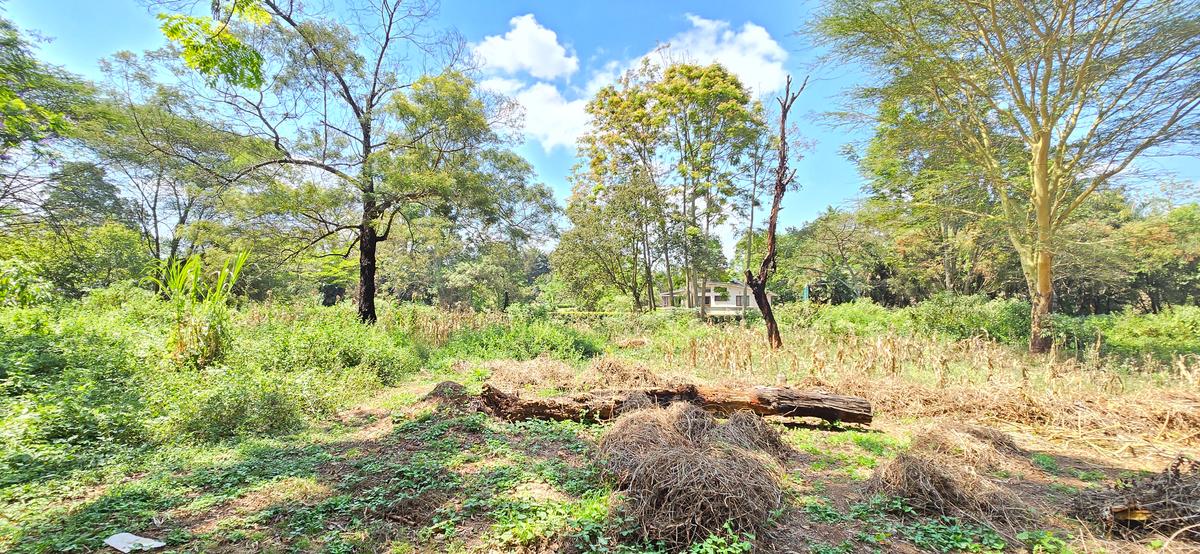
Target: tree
(604,246)
(711,123)
(622,149)
(38,104)
(1082,88)
(784,176)
(36,100)
(340,100)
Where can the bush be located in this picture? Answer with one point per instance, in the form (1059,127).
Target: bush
(229,404)
(862,317)
(291,338)
(66,392)
(966,316)
(521,340)
(1173,331)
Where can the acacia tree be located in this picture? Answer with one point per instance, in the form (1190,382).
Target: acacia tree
(1082,88)
(329,97)
(784,176)
(38,102)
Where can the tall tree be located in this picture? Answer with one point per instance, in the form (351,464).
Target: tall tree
(341,102)
(711,122)
(784,176)
(1082,87)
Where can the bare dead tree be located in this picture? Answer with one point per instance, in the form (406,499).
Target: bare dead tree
(783,179)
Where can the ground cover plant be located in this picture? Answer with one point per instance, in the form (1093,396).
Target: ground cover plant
(297,279)
(314,433)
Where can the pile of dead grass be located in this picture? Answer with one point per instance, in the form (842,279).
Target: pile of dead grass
(448,397)
(1167,503)
(945,471)
(1067,405)
(610,372)
(542,372)
(546,373)
(685,475)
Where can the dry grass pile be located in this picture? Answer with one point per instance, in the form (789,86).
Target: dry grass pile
(1166,503)
(546,373)
(610,372)
(945,471)
(542,372)
(632,342)
(685,475)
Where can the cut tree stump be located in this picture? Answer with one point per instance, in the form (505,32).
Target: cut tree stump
(606,404)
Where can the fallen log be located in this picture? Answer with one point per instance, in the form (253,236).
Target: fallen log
(602,405)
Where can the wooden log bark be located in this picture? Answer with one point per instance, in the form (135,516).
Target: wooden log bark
(607,404)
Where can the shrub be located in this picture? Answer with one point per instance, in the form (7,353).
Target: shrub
(521,340)
(295,338)
(229,404)
(965,316)
(66,392)
(20,284)
(862,317)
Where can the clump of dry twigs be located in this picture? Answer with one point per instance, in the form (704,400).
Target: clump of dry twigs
(945,472)
(686,475)
(1166,503)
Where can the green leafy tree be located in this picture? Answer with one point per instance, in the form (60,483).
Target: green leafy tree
(345,103)
(1082,88)
(711,123)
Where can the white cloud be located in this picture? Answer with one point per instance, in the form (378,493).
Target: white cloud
(550,118)
(750,52)
(527,46)
(501,85)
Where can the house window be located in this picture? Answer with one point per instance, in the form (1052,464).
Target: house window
(738,300)
(707,300)
(722,293)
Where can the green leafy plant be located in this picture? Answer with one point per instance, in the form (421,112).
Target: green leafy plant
(1045,542)
(727,542)
(948,534)
(200,334)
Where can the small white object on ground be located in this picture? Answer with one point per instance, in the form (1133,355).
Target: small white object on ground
(128,542)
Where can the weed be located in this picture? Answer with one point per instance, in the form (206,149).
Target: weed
(822,512)
(1045,542)
(1045,462)
(844,547)
(948,534)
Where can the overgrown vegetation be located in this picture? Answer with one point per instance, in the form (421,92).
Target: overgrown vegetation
(253,286)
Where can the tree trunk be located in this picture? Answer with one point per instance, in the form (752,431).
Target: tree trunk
(759,288)
(783,178)
(1039,332)
(605,405)
(367,242)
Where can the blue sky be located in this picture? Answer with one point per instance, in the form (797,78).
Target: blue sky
(551,55)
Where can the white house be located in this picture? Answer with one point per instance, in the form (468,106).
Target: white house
(719,298)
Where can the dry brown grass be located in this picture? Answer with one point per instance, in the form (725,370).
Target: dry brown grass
(1098,405)
(685,475)
(546,373)
(542,372)
(945,472)
(609,372)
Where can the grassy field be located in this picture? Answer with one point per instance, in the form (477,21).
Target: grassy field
(299,430)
